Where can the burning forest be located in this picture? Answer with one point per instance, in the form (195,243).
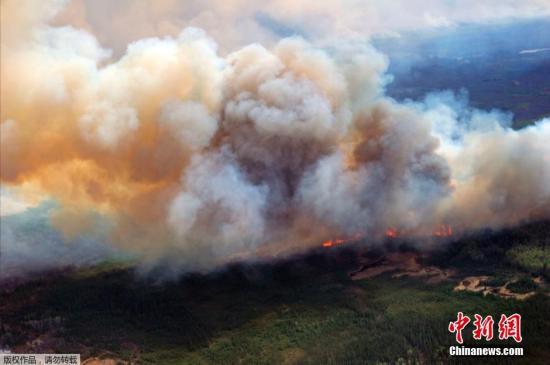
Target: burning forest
(184,156)
(275,182)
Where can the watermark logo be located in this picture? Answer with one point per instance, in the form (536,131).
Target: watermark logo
(484,327)
(39,359)
(457,326)
(509,327)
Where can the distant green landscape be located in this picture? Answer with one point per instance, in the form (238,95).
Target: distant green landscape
(485,61)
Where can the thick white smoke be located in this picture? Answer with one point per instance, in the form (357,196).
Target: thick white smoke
(197,160)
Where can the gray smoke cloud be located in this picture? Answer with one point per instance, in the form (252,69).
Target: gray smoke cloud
(193,160)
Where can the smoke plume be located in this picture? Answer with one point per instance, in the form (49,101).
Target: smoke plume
(195,159)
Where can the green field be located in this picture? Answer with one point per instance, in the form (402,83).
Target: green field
(305,310)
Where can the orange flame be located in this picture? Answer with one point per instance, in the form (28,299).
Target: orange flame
(335,242)
(391,233)
(444,230)
(340,241)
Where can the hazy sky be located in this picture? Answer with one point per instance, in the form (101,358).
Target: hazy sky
(233,23)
